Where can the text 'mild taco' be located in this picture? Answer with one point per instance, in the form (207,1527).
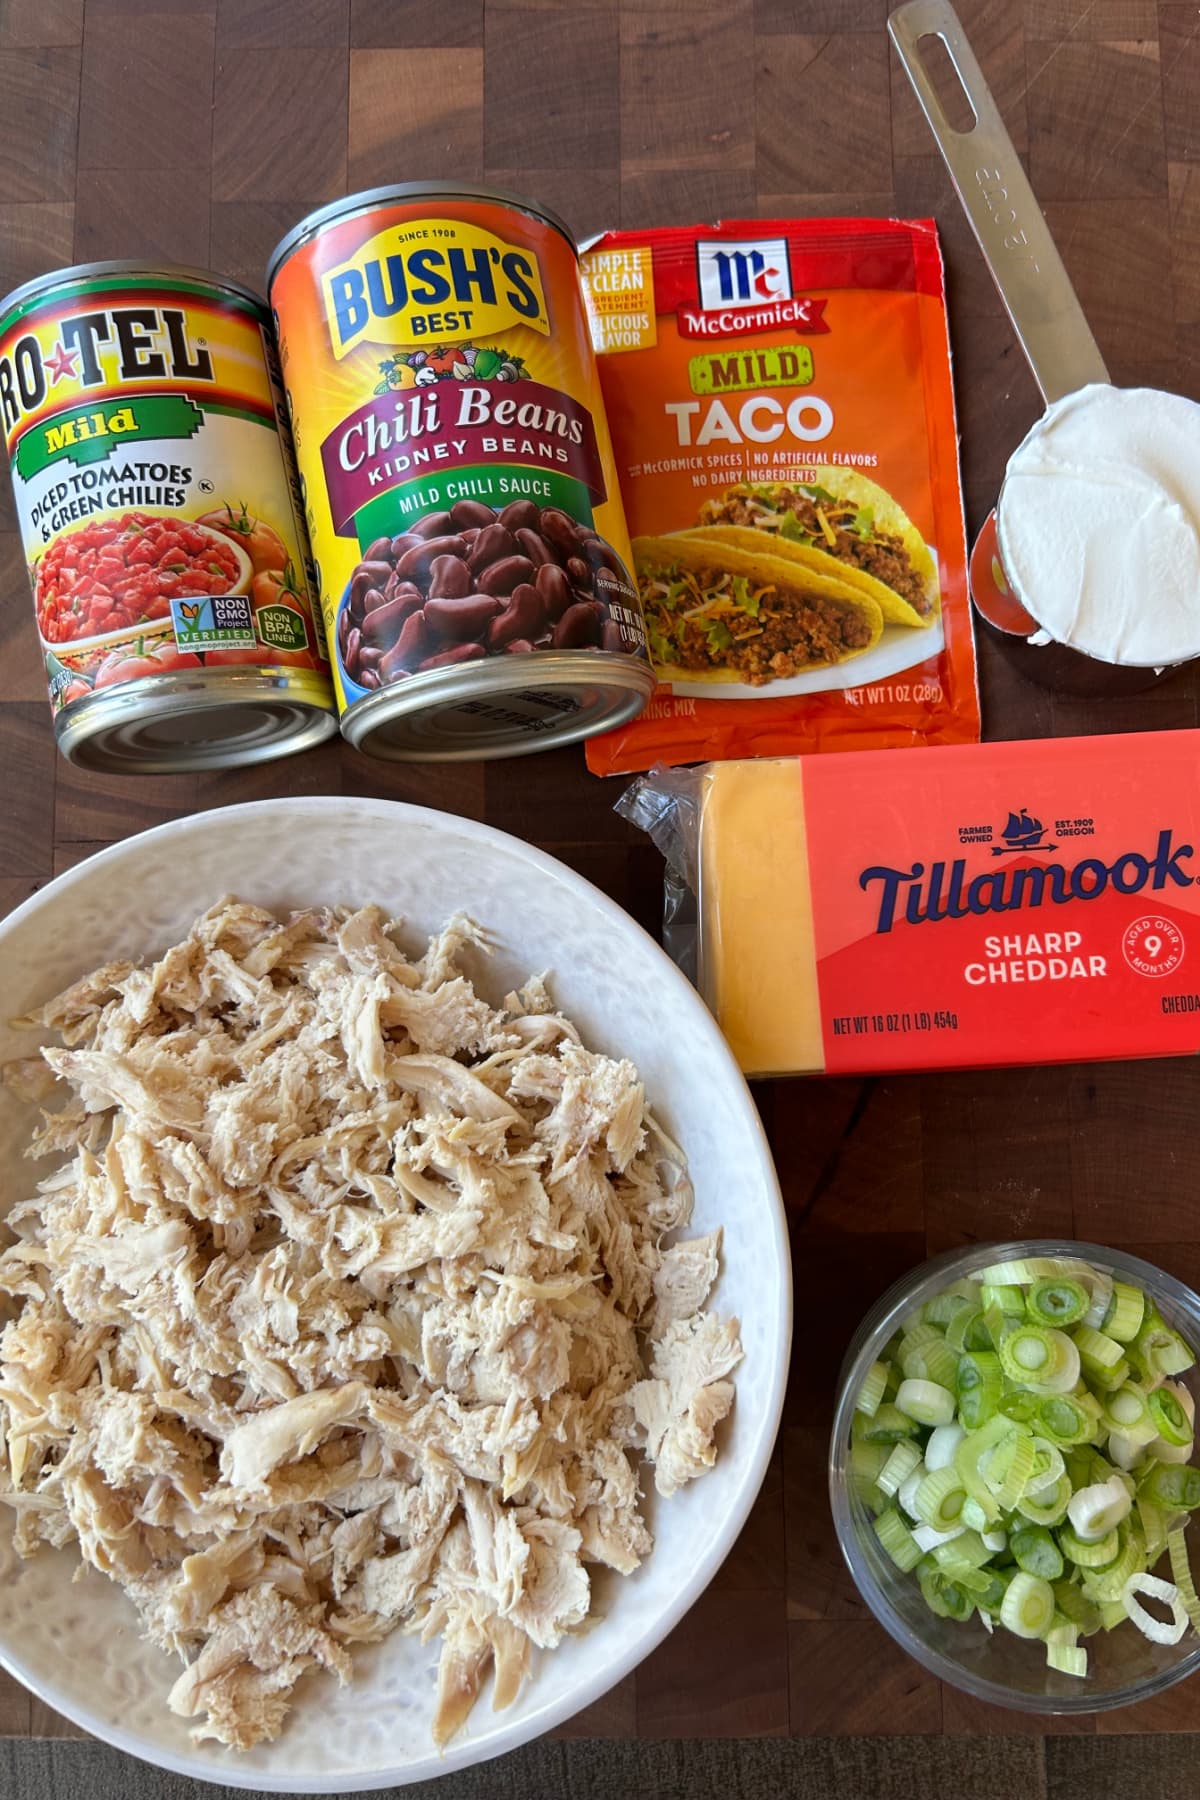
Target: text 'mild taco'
(842,525)
(716,613)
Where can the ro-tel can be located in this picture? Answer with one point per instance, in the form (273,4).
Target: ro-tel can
(160,515)
(472,556)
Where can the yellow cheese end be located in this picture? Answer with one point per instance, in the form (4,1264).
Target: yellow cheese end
(758,966)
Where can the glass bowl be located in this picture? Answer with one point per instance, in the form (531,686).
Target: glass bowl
(1123,1666)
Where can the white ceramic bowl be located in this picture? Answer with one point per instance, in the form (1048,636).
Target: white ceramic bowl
(76,1645)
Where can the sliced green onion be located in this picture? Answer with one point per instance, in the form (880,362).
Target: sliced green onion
(1176,1488)
(866,1462)
(942,1308)
(1156,1630)
(1167,1413)
(1097,1353)
(1067,1659)
(1056,1302)
(1095,1511)
(973,1515)
(887,1426)
(1040,1357)
(1124,1313)
(1049,1505)
(1109,1583)
(1073,1603)
(1007,1468)
(1028,1608)
(907,1491)
(997,1297)
(897,1539)
(1181,1569)
(902,1460)
(1101,1284)
(1035,1551)
(915,1338)
(947,1598)
(1126,1451)
(871,1393)
(968,1458)
(977,1441)
(979,1382)
(1127,1411)
(1153,1521)
(939,1499)
(1020,1405)
(926,1402)
(930,1539)
(1089,1555)
(967,1331)
(1020,1274)
(1109,1380)
(1048,1465)
(1157,1350)
(943,1442)
(966,1551)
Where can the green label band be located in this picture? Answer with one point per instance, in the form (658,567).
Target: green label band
(91,432)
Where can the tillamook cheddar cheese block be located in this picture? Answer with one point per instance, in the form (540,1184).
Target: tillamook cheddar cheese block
(781,411)
(1003,903)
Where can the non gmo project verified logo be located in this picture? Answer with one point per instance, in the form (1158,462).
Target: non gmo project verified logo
(214,619)
(743,272)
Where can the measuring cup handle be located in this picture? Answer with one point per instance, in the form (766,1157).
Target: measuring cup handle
(1000,204)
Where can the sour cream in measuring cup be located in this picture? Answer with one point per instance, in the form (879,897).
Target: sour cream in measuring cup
(1098,525)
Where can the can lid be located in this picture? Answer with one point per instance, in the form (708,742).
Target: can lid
(80,272)
(351,204)
(202,719)
(506,706)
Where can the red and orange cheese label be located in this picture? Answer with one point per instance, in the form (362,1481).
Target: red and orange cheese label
(1004,903)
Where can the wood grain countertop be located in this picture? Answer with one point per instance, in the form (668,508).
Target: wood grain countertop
(197,131)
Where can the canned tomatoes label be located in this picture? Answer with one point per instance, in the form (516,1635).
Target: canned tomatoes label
(457,474)
(157,507)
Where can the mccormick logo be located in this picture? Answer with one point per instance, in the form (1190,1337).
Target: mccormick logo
(926,895)
(432,279)
(744,285)
(743,273)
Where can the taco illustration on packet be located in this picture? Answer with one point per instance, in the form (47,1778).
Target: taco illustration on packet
(840,525)
(719,612)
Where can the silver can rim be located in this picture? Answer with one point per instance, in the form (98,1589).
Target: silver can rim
(627,675)
(313,223)
(204,692)
(76,273)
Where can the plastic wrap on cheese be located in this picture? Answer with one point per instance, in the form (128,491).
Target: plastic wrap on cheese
(996,904)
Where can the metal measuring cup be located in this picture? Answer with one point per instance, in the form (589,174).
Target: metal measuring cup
(1041,303)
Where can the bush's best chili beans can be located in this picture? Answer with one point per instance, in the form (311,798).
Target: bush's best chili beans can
(160,516)
(472,557)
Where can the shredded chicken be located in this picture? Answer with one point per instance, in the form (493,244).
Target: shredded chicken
(337,1318)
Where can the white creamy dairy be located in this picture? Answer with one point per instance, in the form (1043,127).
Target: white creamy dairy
(1098,524)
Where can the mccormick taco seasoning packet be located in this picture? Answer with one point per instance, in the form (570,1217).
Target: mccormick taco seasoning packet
(782,412)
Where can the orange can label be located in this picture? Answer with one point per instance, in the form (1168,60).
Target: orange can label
(455,462)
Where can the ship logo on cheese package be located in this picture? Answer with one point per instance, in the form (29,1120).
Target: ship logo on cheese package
(780,402)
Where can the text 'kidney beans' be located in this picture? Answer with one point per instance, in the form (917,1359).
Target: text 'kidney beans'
(471,583)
